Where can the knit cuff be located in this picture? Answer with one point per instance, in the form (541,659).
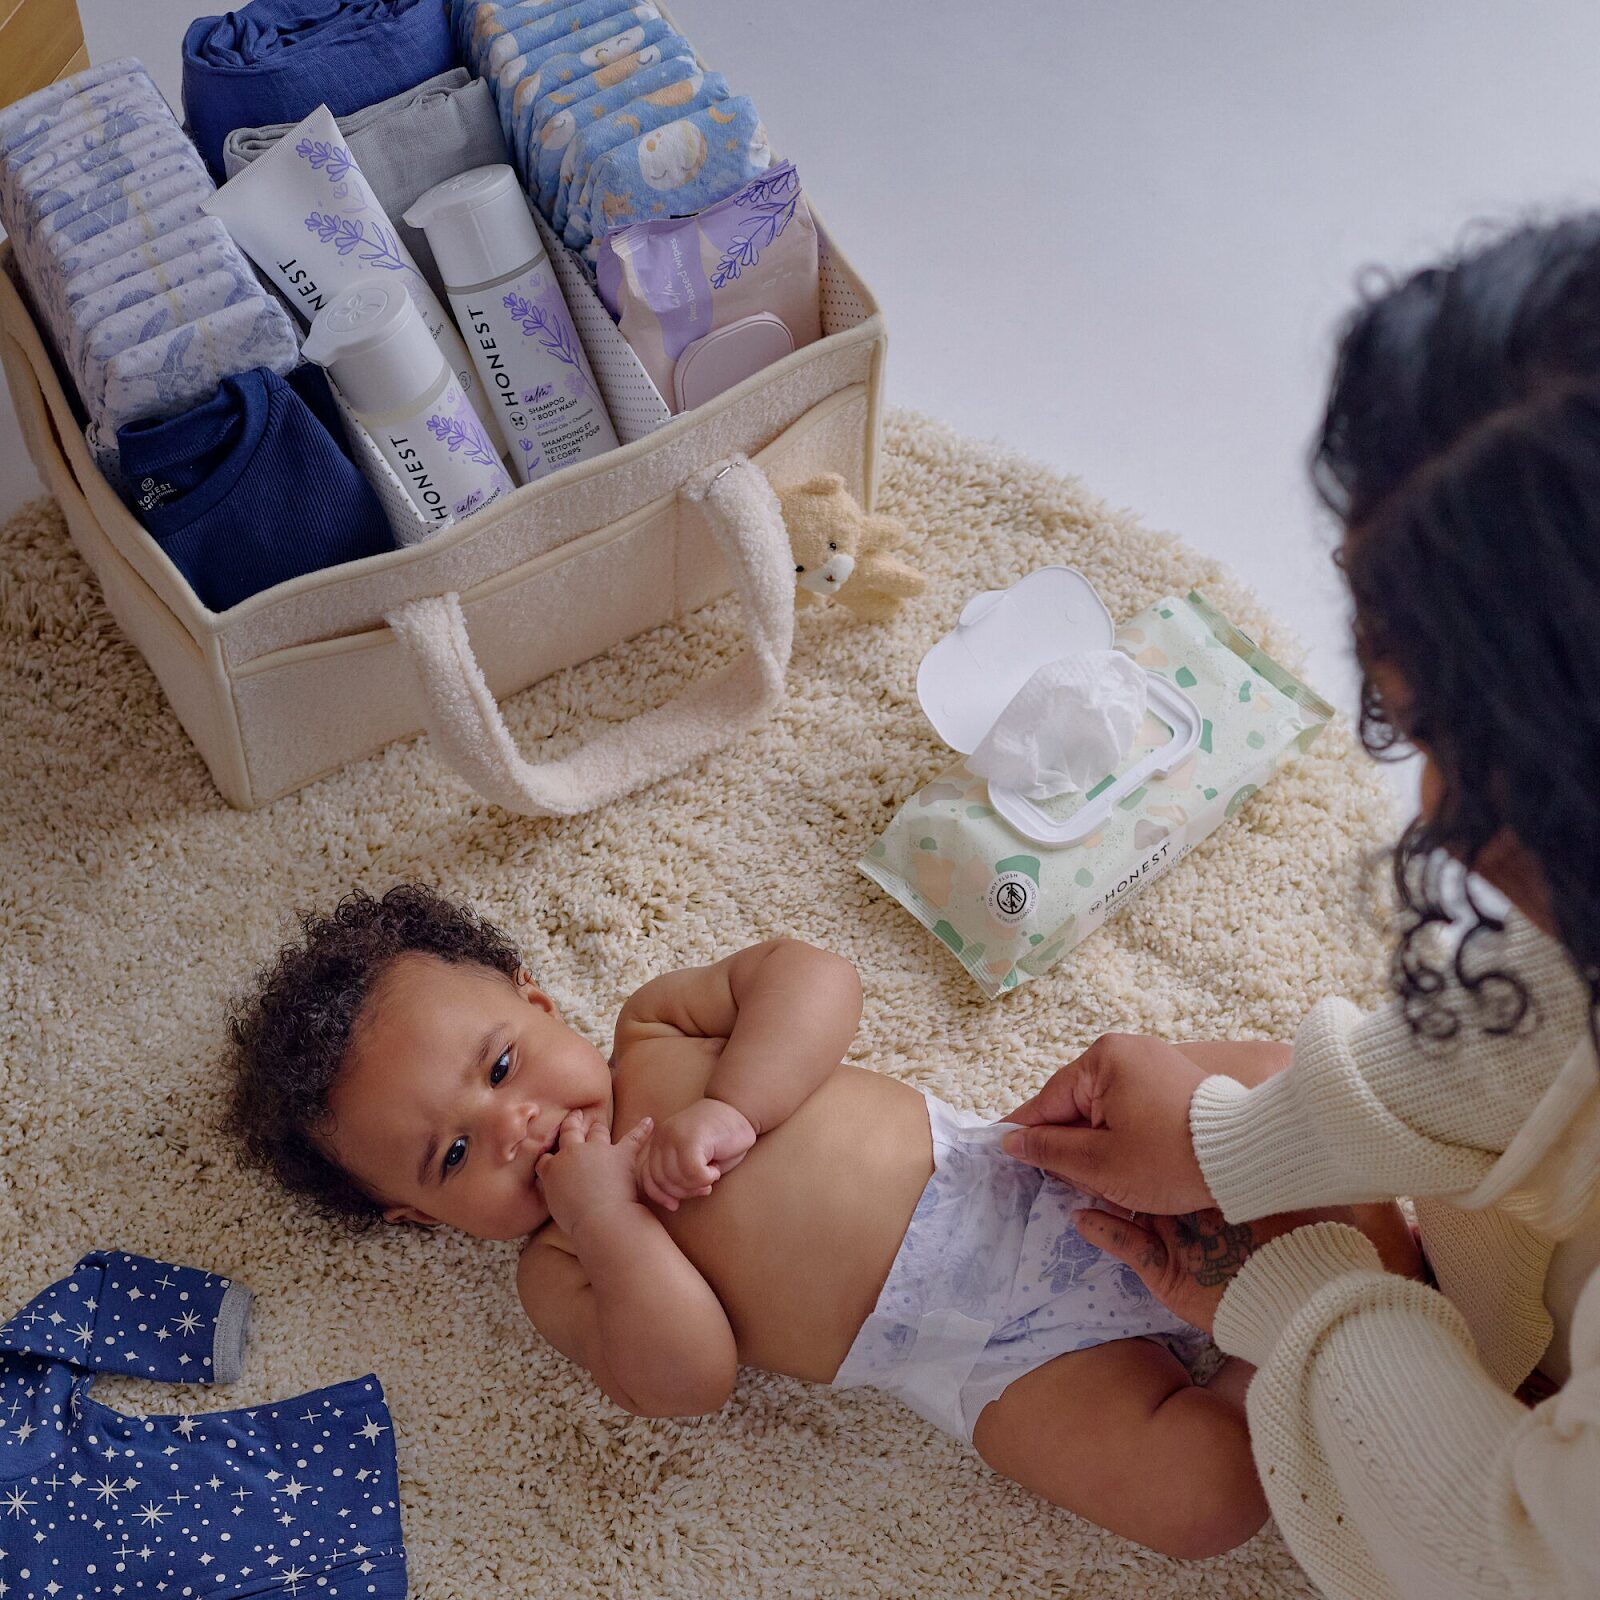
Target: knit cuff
(1280,1278)
(1255,1151)
(233,1326)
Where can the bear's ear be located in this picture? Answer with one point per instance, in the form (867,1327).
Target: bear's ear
(828,483)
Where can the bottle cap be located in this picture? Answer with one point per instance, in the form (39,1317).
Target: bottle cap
(376,347)
(478,225)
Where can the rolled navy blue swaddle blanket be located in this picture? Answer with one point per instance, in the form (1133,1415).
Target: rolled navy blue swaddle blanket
(277,60)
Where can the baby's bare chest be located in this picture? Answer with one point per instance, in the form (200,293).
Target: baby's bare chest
(661,1077)
(797,1239)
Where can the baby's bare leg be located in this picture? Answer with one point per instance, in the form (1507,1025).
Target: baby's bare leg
(1250,1061)
(1120,1435)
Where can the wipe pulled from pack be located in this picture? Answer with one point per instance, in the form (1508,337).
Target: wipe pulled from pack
(1008,883)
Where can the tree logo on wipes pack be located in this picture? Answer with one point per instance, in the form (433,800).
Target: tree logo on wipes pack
(1012,896)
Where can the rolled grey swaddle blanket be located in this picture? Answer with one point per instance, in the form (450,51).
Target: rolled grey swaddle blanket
(404,145)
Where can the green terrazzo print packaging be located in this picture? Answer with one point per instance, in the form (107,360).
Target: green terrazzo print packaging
(1010,907)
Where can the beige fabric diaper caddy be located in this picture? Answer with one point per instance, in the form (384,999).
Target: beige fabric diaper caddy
(299,679)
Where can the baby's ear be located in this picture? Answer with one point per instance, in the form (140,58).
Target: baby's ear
(410,1214)
(531,992)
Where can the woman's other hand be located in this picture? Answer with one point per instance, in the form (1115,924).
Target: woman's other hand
(1186,1262)
(1116,1122)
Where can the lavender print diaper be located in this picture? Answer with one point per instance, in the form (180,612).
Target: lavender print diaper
(991,1281)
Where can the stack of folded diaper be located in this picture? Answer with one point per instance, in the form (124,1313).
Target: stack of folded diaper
(608,117)
(147,300)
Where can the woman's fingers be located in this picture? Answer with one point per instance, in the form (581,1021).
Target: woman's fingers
(1130,1241)
(1077,1091)
(1084,1156)
(1057,1101)
(1116,1122)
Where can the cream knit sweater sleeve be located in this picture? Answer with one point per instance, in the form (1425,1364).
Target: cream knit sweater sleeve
(1395,1464)
(1368,1110)
(1396,1468)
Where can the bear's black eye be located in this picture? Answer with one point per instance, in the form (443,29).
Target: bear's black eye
(832,545)
(799,569)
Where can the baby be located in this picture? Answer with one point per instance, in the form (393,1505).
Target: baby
(723,1191)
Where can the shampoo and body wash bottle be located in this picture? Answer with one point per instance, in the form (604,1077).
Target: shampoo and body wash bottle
(510,310)
(383,360)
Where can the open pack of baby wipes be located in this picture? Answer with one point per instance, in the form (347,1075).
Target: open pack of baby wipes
(1093,759)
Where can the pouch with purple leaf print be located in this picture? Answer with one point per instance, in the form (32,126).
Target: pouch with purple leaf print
(708,299)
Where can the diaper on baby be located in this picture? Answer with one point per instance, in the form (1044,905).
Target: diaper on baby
(993,1280)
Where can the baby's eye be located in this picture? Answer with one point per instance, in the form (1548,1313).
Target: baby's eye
(498,1071)
(455,1155)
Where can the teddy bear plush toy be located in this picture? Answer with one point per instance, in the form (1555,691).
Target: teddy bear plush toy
(841,553)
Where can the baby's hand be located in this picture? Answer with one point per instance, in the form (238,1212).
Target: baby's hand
(691,1150)
(586,1175)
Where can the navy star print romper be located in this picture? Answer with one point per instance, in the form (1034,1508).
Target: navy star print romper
(295,1498)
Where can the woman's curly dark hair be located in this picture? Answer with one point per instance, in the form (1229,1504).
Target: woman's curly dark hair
(289,1036)
(1461,451)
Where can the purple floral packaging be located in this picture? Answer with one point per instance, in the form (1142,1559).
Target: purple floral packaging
(707,300)
(305,214)
(537,381)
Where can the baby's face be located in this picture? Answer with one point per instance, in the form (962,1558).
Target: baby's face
(455,1084)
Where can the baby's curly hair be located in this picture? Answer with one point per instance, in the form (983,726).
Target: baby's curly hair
(288,1037)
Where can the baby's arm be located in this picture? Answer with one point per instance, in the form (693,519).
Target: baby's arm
(614,1293)
(788,1012)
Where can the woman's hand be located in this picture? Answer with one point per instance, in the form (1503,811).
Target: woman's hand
(1186,1262)
(691,1150)
(585,1175)
(1116,1122)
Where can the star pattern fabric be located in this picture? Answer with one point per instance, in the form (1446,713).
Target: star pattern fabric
(296,1497)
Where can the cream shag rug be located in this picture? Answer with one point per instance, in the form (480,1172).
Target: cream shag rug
(133,901)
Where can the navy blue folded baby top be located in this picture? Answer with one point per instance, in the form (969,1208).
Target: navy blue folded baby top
(252,488)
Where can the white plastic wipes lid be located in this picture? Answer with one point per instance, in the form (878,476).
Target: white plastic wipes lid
(1004,636)
(373,341)
(478,225)
(995,656)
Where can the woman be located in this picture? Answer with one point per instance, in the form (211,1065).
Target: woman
(1461,451)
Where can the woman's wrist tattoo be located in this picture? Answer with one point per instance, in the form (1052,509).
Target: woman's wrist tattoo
(1213,1249)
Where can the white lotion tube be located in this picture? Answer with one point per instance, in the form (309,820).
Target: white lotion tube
(303,212)
(536,378)
(376,347)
